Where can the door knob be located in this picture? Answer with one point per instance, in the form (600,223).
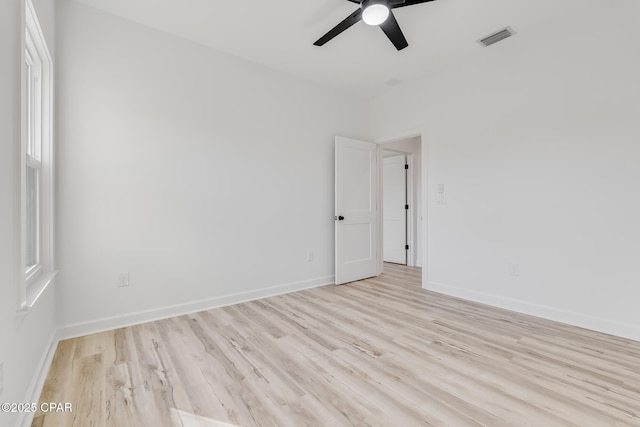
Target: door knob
(340,218)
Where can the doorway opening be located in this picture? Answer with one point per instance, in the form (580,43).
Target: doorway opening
(401,182)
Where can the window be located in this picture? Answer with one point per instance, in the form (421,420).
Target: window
(37,162)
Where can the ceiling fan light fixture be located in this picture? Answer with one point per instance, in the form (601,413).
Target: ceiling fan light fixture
(375,12)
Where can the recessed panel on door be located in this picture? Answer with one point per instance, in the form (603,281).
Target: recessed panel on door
(357,180)
(360,248)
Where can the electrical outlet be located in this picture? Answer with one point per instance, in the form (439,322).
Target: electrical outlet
(310,256)
(1,377)
(123,279)
(514,269)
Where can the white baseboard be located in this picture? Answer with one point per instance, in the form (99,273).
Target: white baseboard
(109,323)
(37,382)
(622,330)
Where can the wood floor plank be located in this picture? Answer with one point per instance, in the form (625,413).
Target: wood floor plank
(88,374)
(378,352)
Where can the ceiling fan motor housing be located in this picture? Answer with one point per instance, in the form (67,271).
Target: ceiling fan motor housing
(366,3)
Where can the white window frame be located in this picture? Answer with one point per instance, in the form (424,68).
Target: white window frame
(36,155)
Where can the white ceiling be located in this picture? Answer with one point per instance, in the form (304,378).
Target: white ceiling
(280,33)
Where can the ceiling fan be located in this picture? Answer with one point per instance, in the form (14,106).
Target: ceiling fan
(374,12)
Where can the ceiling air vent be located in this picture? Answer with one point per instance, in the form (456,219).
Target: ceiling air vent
(497,36)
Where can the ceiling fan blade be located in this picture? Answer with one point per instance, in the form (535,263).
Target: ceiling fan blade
(355,1)
(346,23)
(407,3)
(393,31)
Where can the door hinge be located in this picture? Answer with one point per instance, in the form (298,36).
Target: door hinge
(406,207)
(406,166)
(406,247)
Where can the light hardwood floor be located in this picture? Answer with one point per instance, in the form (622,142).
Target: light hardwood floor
(380,352)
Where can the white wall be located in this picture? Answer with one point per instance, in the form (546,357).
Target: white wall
(24,339)
(413,146)
(203,175)
(174,165)
(537,142)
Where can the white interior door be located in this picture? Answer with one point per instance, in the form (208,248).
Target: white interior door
(394,176)
(356,176)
